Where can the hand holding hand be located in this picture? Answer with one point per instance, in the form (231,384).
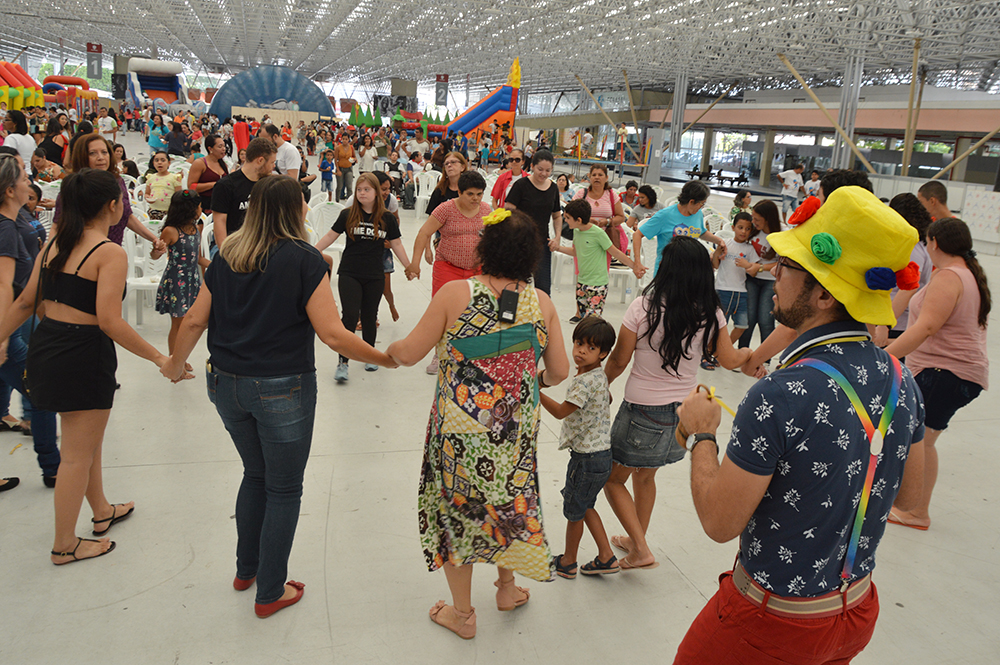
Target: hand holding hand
(413,271)
(554,244)
(881,338)
(639,270)
(159,245)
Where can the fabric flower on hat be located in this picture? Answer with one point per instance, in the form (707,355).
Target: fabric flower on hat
(804,211)
(825,248)
(908,279)
(496,217)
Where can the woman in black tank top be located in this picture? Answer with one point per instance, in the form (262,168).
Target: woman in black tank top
(70,366)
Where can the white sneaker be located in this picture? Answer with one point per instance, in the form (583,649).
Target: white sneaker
(433,367)
(371,367)
(340,376)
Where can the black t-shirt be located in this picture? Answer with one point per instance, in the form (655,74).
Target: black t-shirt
(535,203)
(258,325)
(437,198)
(231,195)
(363,255)
(12,245)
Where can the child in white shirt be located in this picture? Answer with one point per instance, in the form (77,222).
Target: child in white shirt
(734,262)
(586,431)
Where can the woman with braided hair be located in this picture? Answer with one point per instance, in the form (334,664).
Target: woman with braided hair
(945,344)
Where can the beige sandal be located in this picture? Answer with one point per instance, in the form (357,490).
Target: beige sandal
(502,589)
(468,629)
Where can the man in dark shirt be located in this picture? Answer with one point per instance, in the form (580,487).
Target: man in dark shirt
(232,193)
(819,451)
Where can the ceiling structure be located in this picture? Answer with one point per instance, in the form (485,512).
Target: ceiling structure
(717,42)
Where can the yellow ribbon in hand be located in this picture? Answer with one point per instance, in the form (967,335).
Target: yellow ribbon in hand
(712,396)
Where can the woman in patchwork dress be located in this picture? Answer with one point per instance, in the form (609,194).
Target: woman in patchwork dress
(478,500)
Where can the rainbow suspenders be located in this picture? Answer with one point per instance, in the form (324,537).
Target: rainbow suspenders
(876,437)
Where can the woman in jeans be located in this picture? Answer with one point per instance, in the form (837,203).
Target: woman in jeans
(945,344)
(267,401)
(668,330)
(760,289)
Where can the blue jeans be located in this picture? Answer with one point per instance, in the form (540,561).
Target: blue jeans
(271,422)
(43,423)
(760,305)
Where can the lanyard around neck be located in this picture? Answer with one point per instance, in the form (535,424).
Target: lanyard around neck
(876,439)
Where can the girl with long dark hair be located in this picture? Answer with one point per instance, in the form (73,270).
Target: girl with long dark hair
(181,279)
(71,362)
(945,344)
(675,323)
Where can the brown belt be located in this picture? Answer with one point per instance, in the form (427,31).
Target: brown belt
(817,607)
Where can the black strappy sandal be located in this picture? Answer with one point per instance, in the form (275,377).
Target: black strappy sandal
(73,553)
(113,519)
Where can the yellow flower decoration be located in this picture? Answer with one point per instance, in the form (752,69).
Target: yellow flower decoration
(496,217)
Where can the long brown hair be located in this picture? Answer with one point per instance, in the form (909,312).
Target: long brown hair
(443,184)
(953,237)
(79,159)
(354,215)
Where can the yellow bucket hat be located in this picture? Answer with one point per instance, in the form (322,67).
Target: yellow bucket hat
(858,248)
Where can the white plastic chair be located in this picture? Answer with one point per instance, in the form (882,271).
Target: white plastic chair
(661,194)
(424,184)
(45,218)
(207,237)
(320,219)
(149,279)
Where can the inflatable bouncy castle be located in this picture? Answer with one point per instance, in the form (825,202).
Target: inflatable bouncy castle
(500,106)
(270,87)
(155,82)
(72,91)
(17,89)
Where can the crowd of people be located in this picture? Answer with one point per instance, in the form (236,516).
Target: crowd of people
(838,314)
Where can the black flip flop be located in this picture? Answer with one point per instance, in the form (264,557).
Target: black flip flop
(10,484)
(114,520)
(7,427)
(73,553)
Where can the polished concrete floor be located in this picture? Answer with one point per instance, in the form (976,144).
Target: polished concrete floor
(165,594)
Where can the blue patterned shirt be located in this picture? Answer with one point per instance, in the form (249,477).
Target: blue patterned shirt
(799,427)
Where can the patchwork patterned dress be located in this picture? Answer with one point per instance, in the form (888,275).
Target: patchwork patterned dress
(478,500)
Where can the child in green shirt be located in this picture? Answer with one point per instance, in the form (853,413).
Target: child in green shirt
(591,247)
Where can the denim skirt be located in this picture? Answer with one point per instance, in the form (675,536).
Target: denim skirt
(642,437)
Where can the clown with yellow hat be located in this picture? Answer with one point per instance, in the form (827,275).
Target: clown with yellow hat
(857,248)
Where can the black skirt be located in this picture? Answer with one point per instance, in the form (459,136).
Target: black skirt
(70,367)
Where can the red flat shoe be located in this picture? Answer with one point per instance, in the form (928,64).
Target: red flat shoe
(243,585)
(267,609)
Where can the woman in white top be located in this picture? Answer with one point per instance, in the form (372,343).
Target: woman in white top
(668,330)
(17,135)
(368,155)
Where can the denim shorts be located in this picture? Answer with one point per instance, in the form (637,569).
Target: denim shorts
(642,437)
(585,478)
(734,306)
(944,394)
(789,201)
(326,186)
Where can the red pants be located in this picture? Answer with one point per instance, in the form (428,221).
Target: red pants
(731,629)
(444,272)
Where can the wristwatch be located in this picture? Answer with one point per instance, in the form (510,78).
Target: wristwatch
(695,439)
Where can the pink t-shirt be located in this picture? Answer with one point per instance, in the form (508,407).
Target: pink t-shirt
(648,383)
(459,234)
(958,346)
